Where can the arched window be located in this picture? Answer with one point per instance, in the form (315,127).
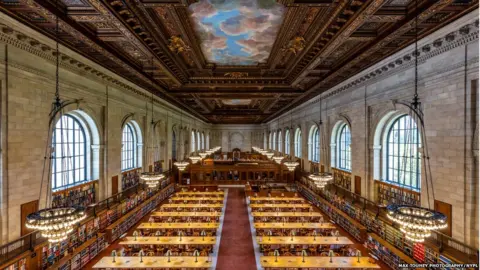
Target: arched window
(174,145)
(270,145)
(287,142)
(298,143)
(403,164)
(313,141)
(199,139)
(279,141)
(202,142)
(344,149)
(69,158)
(192,142)
(129,147)
(274,143)
(207,142)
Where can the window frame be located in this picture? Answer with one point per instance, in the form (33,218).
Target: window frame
(298,143)
(287,142)
(86,163)
(134,159)
(413,150)
(344,154)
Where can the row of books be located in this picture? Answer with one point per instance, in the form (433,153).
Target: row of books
(83,195)
(83,255)
(88,229)
(114,231)
(18,265)
(374,224)
(130,178)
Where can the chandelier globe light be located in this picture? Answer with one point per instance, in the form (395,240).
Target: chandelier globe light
(291,165)
(152,179)
(195,159)
(181,165)
(321,179)
(278,159)
(55,223)
(417,222)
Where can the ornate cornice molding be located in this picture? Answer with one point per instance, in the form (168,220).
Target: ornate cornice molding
(404,60)
(32,45)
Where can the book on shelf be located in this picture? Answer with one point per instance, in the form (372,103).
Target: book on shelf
(130,178)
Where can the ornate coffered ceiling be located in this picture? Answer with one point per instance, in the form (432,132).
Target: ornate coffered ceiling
(239,61)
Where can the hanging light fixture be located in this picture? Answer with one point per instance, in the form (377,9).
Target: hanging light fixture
(181,165)
(321,179)
(417,222)
(55,223)
(152,179)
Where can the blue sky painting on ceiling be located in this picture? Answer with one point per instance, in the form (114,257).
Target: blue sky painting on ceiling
(237,32)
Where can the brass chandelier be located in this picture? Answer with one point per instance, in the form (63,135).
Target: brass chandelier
(417,222)
(55,223)
(152,179)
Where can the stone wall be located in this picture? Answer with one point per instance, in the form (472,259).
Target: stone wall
(27,84)
(448,90)
(237,136)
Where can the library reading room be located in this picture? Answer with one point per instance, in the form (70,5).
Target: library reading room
(239,134)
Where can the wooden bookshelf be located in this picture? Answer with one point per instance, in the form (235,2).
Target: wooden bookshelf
(21,262)
(130,178)
(83,195)
(388,193)
(120,226)
(81,255)
(342,178)
(387,252)
(353,227)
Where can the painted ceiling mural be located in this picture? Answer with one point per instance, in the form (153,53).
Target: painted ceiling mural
(237,32)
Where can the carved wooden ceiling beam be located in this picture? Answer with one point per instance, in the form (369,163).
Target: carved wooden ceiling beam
(424,12)
(237,91)
(139,25)
(367,9)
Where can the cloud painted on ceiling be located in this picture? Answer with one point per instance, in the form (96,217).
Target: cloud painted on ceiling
(237,32)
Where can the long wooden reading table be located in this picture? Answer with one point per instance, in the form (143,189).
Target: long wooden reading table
(186,214)
(188,205)
(279,205)
(285,199)
(169,240)
(303,240)
(317,262)
(156,225)
(153,262)
(188,199)
(293,225)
